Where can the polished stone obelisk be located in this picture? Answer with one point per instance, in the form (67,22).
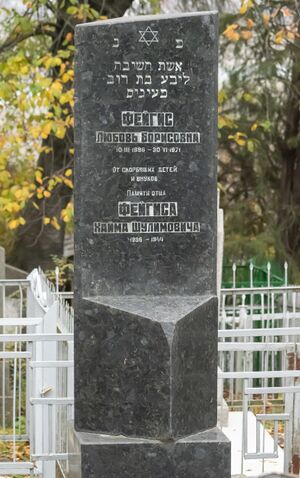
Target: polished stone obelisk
(145,248)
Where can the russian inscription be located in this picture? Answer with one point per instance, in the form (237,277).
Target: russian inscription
(146,137)
(168,73)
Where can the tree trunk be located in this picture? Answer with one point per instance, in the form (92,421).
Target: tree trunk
(36,242)
(289,217)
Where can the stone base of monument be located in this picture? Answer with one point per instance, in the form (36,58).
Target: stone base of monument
(146,366)
(204,455)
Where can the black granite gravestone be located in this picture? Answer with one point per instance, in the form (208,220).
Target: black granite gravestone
(145,248)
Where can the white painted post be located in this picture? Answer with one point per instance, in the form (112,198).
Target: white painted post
(34,385)
(49,389)
(295,458)
(43,380)
(222,405)
(223,411)
(220,248)
(70,384)
(241,357)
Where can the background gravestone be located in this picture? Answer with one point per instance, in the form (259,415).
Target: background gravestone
(145,248)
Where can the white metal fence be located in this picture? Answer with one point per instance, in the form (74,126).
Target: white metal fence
(259,352)
(37,376)
(259,357)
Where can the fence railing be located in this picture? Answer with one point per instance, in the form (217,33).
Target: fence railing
(259,337)
(259,351)
(37,376)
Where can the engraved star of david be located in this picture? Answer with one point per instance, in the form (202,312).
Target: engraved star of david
(148,36)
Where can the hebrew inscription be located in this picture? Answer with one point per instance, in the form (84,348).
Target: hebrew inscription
(142,73)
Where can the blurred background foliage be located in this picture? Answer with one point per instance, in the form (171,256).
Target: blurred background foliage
(259,123)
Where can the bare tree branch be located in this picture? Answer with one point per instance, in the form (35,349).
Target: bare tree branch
(16,38)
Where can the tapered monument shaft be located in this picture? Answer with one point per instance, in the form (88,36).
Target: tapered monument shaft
(145,248)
